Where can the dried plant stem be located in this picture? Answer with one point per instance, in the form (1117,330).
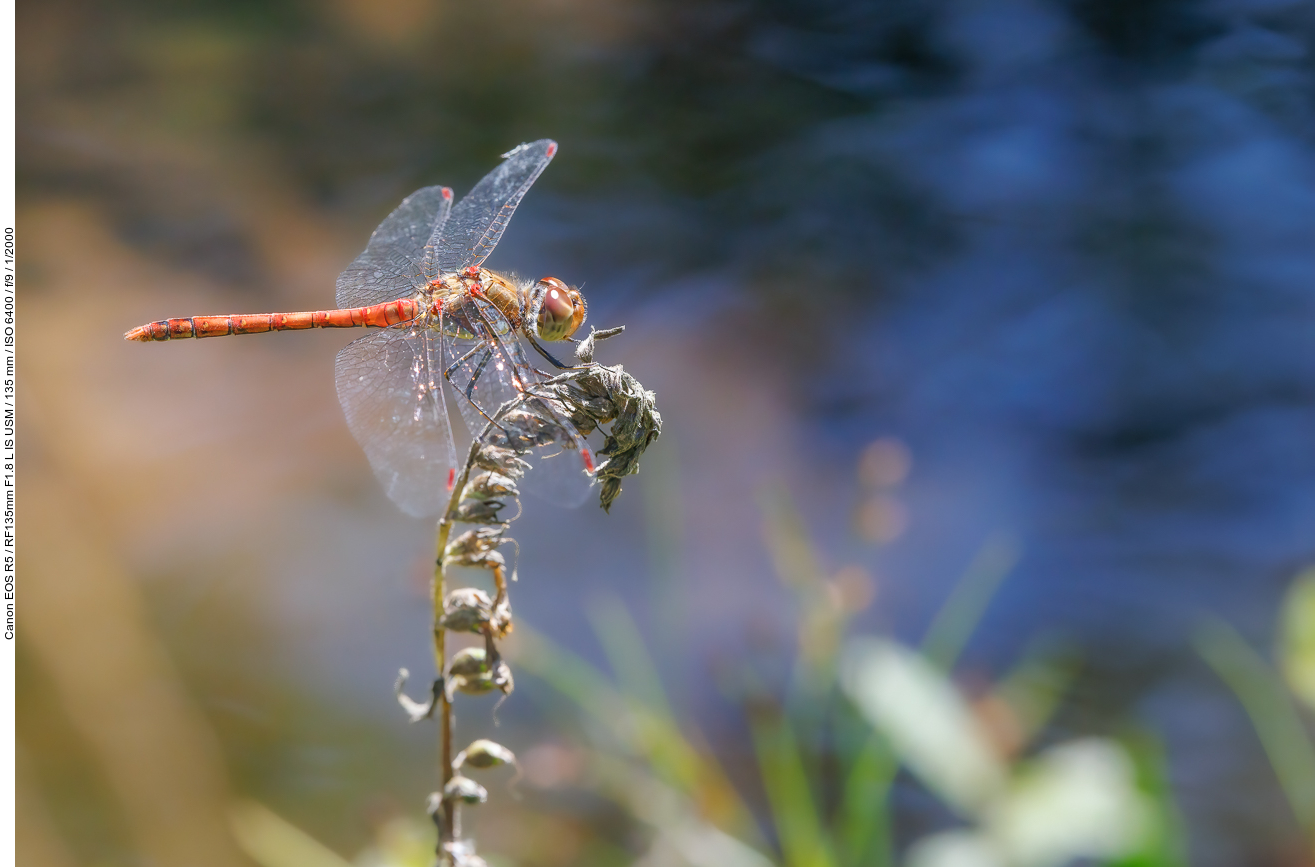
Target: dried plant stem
(586,397)
(438,588)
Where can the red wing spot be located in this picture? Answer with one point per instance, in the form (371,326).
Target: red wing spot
(552,149)
(447,194)
(588,460)
(451,477)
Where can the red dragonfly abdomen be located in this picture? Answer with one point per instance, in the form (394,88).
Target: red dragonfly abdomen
(376,315)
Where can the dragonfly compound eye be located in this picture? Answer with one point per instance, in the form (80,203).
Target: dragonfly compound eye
(562,310)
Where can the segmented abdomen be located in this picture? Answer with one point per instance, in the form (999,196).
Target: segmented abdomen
(376,315)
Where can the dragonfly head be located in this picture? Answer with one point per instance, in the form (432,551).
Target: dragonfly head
(561,309)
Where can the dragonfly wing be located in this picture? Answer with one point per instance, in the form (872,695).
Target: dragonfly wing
(479,219)
(405,234)
(390,387)
(413,223)
(379,274)
(560,472)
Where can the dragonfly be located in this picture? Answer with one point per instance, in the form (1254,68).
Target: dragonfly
(447,325)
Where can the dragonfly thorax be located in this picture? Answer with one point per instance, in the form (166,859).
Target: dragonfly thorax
(474,303)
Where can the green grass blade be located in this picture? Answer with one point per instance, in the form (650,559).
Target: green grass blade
(798,827)
(651,736)
(962,611)
(1271,709)
(567,673)
(670,754)
(272,841)
(863,820)
(1166,845)
(636,674)
(820,623)
(1035,686)
(1296,643)
(786,537)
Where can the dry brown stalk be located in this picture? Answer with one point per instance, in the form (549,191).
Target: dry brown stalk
(590,396)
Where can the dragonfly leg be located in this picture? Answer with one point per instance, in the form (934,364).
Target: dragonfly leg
(479,369)
(447,374)
(469,390)
(554,362)
(491,333)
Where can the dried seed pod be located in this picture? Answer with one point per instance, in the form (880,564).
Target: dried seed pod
(480,512)
(598,395)
(489,486)
(467,662)
(587,416)
(611,489)
(466,610)
(498,677)
(477,547)
(472,672)
(464,789)
(636,426)
(500,460)
(476,541)
(532,422)
(522,429)
(477,559)
(586,407)
(469,609)
(484,754)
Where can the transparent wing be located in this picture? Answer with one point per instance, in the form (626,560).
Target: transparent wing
(390,387)
(379,274)
(479,219)
(409,232)
(559,469)
(415,222)
(491,370)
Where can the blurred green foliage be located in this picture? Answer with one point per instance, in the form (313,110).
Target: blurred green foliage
(857,709)
(1272,696)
